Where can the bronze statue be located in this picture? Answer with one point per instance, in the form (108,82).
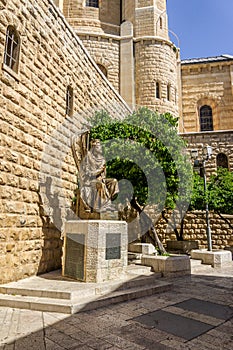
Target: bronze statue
(96,191)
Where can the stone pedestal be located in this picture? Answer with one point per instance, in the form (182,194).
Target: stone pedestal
(168,265)
(181,246)
(95,250)
(142,248)
(215,258)
(230,249)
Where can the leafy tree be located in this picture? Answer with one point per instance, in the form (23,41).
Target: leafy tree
(199,196)
(219,194)
(145,149)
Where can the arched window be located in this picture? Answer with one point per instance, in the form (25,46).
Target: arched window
(206,118)
(157,90)
(11,53)
(103,69)
(69,101)
(92,3)
(168,92)
(222,161)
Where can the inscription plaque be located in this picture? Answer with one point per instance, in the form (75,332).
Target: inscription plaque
(113,246)
(74,255)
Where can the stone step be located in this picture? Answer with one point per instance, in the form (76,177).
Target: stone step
(46,286)
(139,269)
(35,292)
(81,303)
(195,262)
(134,256)
(197,266)
(135,262)
(35,303)
(128,294)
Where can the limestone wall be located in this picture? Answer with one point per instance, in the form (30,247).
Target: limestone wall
(38,175)
(105,51)
(155,56)
(221,142)
(151,19)
(104,19)
(156,61)
(195,229)
(210,84)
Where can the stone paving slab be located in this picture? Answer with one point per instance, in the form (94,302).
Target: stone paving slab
(112,327)
(181,326)
(207,308)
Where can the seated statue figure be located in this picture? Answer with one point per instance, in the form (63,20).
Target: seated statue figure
(96,191)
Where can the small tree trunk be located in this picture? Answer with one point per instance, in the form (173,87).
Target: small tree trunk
(179,234)
(147,225)
(161,248)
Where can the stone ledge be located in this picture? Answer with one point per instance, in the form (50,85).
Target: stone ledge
(215,258)
(182,246)
(230,249)
(142,248)
(168,265)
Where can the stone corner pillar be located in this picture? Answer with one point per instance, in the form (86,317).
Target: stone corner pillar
(127,64)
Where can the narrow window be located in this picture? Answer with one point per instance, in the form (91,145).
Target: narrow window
(11,53)
(168,92)
(103,69)
(161,23)
(69,101)
(222,161)
(157,90)
(175,92)
(92,3)
(206,118)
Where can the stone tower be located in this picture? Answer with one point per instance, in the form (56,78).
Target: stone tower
(129,41)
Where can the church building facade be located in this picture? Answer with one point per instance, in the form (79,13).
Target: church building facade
(63,60)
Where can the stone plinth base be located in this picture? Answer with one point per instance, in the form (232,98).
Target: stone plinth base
(215,258)
(181,246)
(142,248)
(230,249)
(168,265)
(95,250)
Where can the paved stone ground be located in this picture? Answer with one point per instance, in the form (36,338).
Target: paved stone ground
(121,327)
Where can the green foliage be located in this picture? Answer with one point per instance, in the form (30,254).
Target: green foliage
(220,189)
(146,149)
(219,192)
(198,198)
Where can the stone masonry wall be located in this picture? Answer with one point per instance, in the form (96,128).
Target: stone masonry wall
(156,61)
(220,141)
(38,175)
(104,19)
(207,84)
(151,19)
(105,51)
(195,229)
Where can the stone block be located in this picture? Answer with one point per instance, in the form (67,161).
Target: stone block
(229,249)
(142,248)
(95,250)
(168,265)
(215,258)
(182,246)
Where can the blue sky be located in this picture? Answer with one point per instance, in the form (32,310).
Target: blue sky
(204,27)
